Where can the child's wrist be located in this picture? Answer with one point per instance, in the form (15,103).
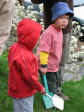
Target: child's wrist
(43,65)
(43,69)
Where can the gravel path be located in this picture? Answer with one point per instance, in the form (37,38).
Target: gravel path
(70,75)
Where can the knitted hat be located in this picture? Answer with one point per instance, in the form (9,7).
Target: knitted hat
(59,9)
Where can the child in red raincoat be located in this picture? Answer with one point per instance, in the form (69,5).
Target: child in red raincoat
(23,70)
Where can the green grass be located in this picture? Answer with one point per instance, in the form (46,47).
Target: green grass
(75,90)
(5,101)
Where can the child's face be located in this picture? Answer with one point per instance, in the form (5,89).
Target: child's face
(62,22)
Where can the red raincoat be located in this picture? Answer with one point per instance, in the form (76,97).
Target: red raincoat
(23,69)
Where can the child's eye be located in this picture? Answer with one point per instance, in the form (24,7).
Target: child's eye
(64,17)
(67,17)
(61,17)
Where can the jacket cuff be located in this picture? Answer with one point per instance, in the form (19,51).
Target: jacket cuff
(44,65)
(40,88)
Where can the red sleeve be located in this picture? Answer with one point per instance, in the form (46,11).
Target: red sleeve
(30,73)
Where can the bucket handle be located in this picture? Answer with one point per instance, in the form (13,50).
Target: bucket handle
(45,83)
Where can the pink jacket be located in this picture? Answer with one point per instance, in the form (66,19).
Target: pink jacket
(51,42)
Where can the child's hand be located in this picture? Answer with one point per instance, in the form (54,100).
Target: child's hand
(43,91)
(43,70)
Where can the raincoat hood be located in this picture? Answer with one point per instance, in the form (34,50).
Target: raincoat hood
(28,32)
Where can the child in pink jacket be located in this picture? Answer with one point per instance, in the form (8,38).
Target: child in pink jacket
(50,48)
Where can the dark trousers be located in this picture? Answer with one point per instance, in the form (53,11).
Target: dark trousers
(53,80)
